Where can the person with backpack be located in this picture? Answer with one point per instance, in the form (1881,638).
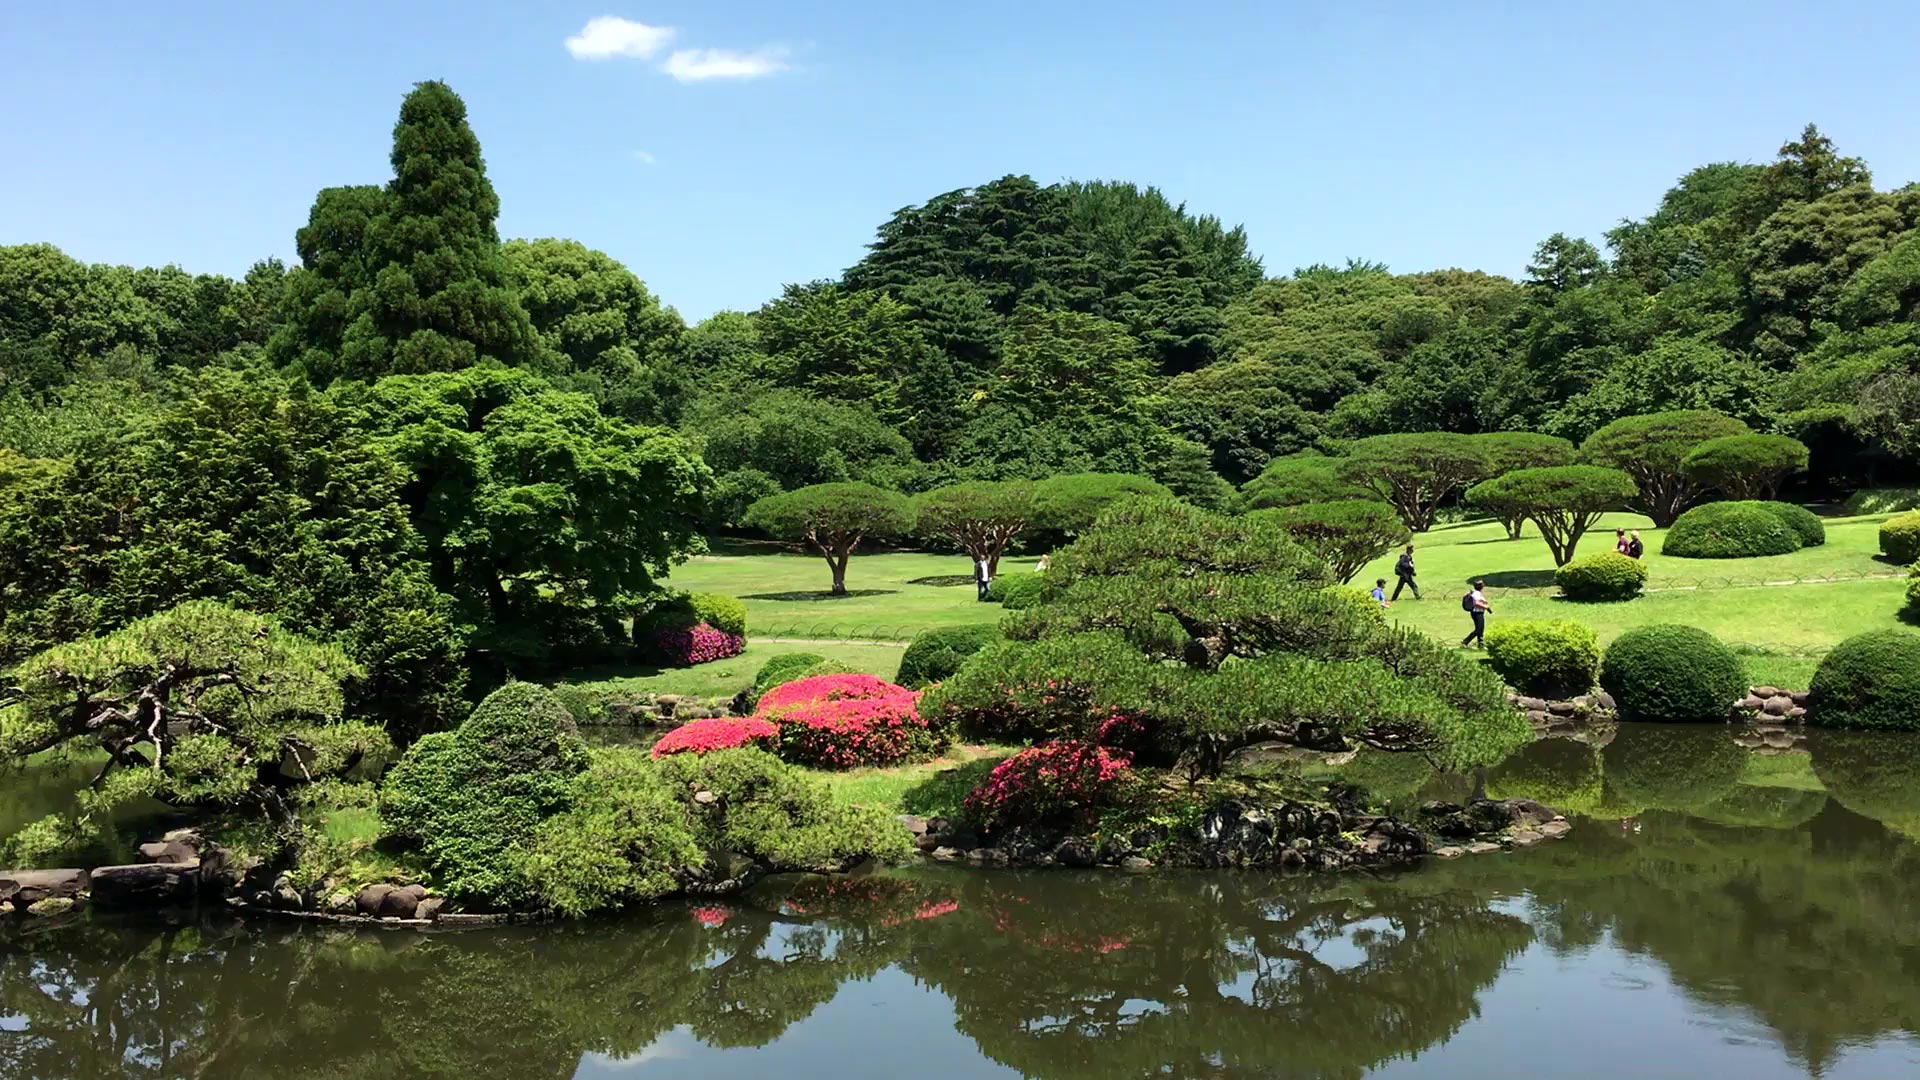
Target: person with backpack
(1475,604)
(1403,570)
(1635,548)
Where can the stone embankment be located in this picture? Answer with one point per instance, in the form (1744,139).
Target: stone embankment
(1761,705)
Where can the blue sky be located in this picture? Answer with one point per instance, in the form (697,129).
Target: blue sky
(761,142)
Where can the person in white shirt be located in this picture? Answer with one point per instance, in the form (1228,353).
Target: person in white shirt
(1477,605)
(982,576)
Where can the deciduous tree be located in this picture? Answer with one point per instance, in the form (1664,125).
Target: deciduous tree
(833,519)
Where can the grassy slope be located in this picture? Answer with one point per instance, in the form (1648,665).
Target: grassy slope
(724,678)
(786,593)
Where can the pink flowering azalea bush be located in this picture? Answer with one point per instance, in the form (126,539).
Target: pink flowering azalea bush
(1064,782)
(685,646)
(841,721)
(716,733)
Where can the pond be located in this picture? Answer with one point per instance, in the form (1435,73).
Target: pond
(1719,910)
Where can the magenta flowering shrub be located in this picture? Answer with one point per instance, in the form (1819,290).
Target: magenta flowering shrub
(716,733)
(685,646)
(1063,782)
(841,721)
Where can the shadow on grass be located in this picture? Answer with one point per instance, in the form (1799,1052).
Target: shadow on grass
(944,581)
(941,793)
(808,594)
(746,545)
(1517,579)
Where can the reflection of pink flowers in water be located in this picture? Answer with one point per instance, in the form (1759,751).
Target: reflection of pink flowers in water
(1066,941)
(711,915)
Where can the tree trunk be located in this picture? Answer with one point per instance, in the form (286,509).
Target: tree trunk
(839,564)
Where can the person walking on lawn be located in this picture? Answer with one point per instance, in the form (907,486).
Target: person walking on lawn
(982,577)
(1475,604)
(1403,570)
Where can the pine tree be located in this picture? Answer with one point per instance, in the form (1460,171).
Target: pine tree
(1165,305)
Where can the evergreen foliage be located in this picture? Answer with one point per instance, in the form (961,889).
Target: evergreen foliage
(1871,681)
(1672,674)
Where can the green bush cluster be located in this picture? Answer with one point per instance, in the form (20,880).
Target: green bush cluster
(1900,537)
(1804,522)
(1018,590)
(1607,575)
(1870,681)
(472,798)
(724,613)
(634,829)
(1671,673)
(935,654)
(1883,500)
(1548,657)
(1731,530)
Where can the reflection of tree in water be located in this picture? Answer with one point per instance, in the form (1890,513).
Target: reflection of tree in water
(97,999)
(1215,976)
(1780,901)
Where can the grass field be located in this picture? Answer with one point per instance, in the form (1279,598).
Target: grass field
(1779,612)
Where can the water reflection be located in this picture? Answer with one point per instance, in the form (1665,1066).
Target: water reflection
(1764,908)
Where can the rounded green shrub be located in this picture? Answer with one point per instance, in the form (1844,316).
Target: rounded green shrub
(1017,591)
(1671,673)
(1549,657)
(1729,530)
(724,613)
(935,654)
(1913,593)
(1900,537)
(1869,681)
(1801,520)
(1607,575)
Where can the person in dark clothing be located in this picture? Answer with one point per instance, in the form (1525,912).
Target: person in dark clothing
(1476,605)
(1635,547)
(982,577)
(1403,570)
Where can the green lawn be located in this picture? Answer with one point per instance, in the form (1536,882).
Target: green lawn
(724,678)
(890,597)
(1781,628)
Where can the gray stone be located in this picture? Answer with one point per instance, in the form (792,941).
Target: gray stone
(915,824)
(946,854)
(1753,702)
(369,899)
(341,903)
(1136,862)
(52,905)
(144,884)
(1798,712)
(1777,706)
(286,897)
(1554,829)
(169,851)
(1561,708)
(705,798)
(429,909)
(1605,701)
(1767,691)
(1527,837)
(1448,852)
(1532,704)
(1800,697)
(400,903)
(1482,848)
(26,887)
(925,842)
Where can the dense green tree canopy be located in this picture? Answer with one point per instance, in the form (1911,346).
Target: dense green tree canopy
(833,519)
(1653,450)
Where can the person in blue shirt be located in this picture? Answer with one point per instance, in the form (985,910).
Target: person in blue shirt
(1379,593)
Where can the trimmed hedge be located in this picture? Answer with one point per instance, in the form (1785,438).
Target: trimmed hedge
(1548,657)
(1607,575)
(935,654)
(1017,591)
(1869,681)
(1801,520)
(1673,674)
(1900,537)
(1730,530)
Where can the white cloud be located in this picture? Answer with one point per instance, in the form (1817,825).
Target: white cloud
(699,65)
(642,157)
(608,36)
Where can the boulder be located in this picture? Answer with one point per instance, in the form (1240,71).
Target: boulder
(169,851)
(1753,702)
(145,885)
(1767,691)
(1778,705)
(400,903)
(23,888)
(946,854)
(1554,829)
(1136,862)
(1074,851)
(1605,701)
(1482,848)
(914,824)
(340,903)
(429,909)
(1448,852)
(369,899)
(1800,697)
(1561,708)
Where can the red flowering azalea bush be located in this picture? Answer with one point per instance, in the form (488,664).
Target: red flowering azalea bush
(1061,782)
(716,733)
(685,646)
(844,720)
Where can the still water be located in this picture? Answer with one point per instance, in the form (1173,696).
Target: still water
(1717,911)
